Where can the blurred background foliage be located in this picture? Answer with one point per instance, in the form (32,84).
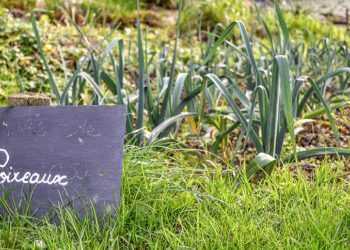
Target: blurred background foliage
(19,58)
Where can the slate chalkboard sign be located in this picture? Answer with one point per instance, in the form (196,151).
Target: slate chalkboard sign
(62,154)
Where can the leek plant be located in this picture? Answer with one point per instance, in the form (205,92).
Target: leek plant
(276,91)
(163,106)
(276,94)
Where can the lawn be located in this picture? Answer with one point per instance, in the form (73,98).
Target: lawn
(171,201)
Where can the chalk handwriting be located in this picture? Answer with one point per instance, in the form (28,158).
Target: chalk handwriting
(29,125)
(79,172)
(28,177)
(85,128)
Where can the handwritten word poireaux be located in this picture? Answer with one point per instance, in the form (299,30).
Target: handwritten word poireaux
(27,177)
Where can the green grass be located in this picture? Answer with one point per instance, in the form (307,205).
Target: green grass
(170,199)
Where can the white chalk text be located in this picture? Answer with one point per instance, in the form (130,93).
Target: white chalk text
(27,177)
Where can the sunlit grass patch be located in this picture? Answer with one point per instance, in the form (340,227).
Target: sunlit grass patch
(169,202)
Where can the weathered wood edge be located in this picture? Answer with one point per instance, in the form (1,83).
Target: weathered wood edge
(29,99)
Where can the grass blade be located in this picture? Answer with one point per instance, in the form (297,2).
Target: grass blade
(253,136)
(166,99)
(52,80)
(318,112)
(264,97)
(167,123)
(325,106)
(284,36)
(269,34)
(261,162)
(140,107)
(286,94)
(179,84)
(246,41)
(310,153)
